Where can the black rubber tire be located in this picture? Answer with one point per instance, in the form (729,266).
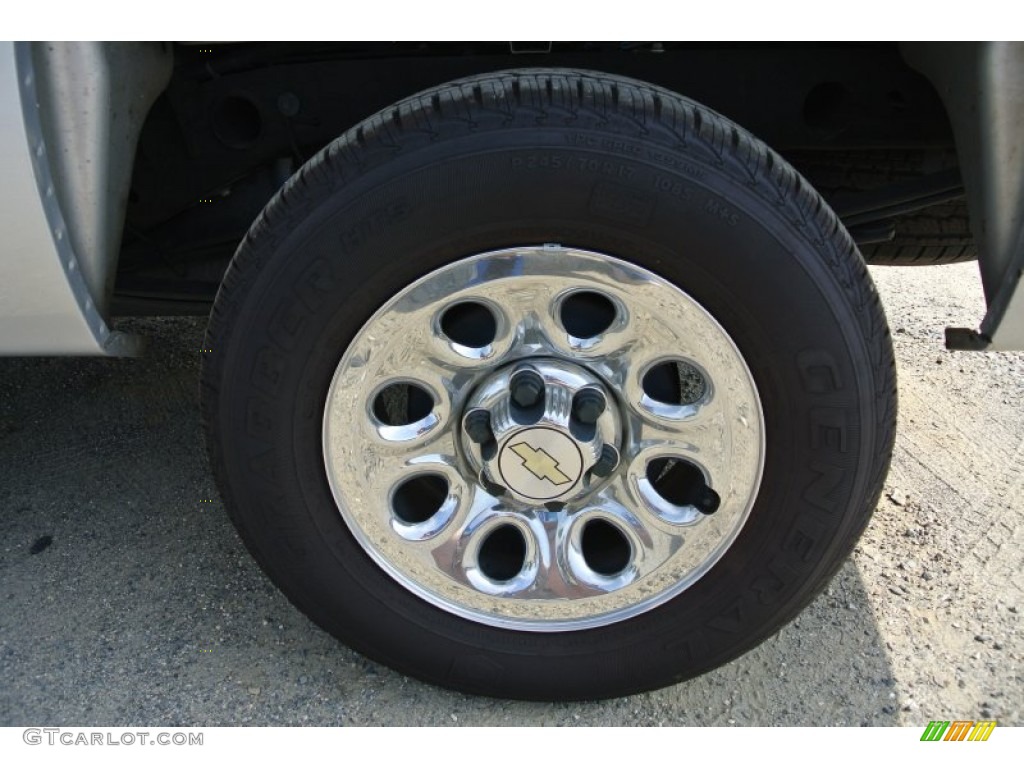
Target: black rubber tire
(939,234)
(586,160)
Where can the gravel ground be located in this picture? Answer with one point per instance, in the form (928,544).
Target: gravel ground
(128,598)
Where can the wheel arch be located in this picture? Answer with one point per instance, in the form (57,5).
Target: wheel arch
(76,110)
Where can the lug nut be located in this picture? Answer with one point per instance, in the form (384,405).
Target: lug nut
(607,463)
(588,406)
(478,426)
(493,488)
(526,387)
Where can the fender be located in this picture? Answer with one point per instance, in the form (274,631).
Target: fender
(70,115)
(982,86)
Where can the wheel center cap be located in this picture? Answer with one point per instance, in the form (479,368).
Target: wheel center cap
(542,431)
(540,463)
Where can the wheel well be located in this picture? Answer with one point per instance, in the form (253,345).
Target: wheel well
(237,120)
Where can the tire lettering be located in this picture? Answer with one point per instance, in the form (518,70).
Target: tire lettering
(315,283)
(604,167)
(375,222)
(722,211)
(672,161)
(801,542)
(268,370)
(549,161)
(555,162)
(819,492)
(730,620)
(581,140)
(621,147)
(693,646)
(782,569)
(286,323)
(828,429)
(670,186)
(769,587)
(819,372)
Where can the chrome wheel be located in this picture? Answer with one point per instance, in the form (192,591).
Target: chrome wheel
(543,439)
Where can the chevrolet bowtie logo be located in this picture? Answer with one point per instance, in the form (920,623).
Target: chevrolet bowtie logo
(540,463)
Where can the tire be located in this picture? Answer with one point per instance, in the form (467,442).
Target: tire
(578,276)
(939,234)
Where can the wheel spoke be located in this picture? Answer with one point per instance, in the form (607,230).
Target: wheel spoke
(624,498)
(497,552)
(703,437)
(605,546)
(424,493)
(528,305)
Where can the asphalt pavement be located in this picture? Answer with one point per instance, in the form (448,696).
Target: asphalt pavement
(128,599)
